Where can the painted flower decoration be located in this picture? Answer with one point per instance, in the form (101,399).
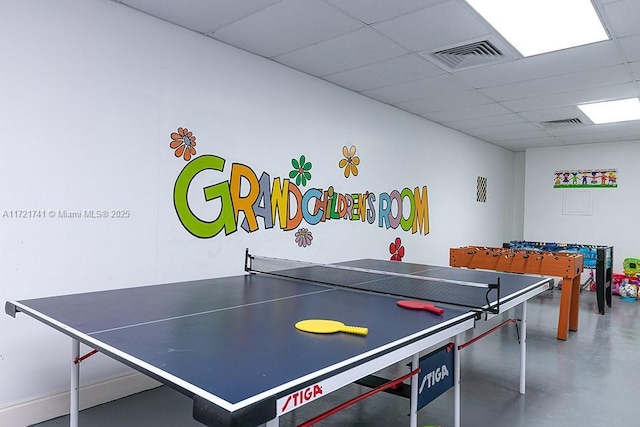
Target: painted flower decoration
(301,170)
(183,142)
(350,162)
(396,250)
(303,237)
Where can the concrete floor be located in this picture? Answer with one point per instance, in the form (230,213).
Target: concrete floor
(590,380)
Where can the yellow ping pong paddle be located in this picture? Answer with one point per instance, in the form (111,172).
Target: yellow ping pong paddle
(323,326)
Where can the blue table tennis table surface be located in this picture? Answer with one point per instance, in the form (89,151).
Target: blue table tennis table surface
(230,342)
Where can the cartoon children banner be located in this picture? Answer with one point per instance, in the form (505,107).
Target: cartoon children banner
(586,178)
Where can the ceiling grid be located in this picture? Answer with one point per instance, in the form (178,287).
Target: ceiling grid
(385,50)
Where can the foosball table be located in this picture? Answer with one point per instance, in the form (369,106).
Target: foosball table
(569,266)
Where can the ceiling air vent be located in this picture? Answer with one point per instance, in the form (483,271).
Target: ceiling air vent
(469,55)
(562,123)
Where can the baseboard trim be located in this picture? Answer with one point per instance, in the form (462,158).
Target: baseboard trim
(56,405)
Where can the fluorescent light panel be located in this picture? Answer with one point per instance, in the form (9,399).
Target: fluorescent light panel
(540,26)
(612,111)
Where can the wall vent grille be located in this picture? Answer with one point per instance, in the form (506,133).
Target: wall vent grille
(481,189)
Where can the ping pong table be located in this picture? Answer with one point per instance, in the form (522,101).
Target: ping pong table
(230,343)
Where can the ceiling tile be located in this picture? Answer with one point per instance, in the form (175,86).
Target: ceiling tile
(595,137)
(536,142)
(348,51)
(432,28)
(506,129)
(374,11)
(515,136)
(582,139)
(596,55)
(393,71)
(522,145)
(445,102)
(418,89)
(631,47)
(502,119)
(200,15)
(623,17)
(635,68)
(557,84)
(473,112)
(606,132)
(299,23)
(605,93)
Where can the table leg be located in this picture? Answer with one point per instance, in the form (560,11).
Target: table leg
(609,277)
(75,384)
(523,346)
(575,304)
(456,386)
(413,412)
(565,308)
(600,284)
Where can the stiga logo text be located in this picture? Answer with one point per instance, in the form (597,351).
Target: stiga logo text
(302,396)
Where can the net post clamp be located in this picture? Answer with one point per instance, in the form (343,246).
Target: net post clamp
(494,309)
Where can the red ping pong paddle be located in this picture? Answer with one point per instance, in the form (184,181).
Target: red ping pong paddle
(420,305)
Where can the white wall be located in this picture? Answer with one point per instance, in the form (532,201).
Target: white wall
(517,232)
(613,218)
(91,92)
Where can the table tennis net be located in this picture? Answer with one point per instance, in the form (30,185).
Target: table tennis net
(484,297)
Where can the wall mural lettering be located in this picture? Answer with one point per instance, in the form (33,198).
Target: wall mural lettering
(280,202)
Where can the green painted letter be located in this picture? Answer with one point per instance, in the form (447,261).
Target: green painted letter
(193,224)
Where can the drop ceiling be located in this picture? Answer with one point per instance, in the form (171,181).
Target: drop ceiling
(435,59)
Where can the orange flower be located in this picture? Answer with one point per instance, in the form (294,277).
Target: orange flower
(183,142)
(350,162)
